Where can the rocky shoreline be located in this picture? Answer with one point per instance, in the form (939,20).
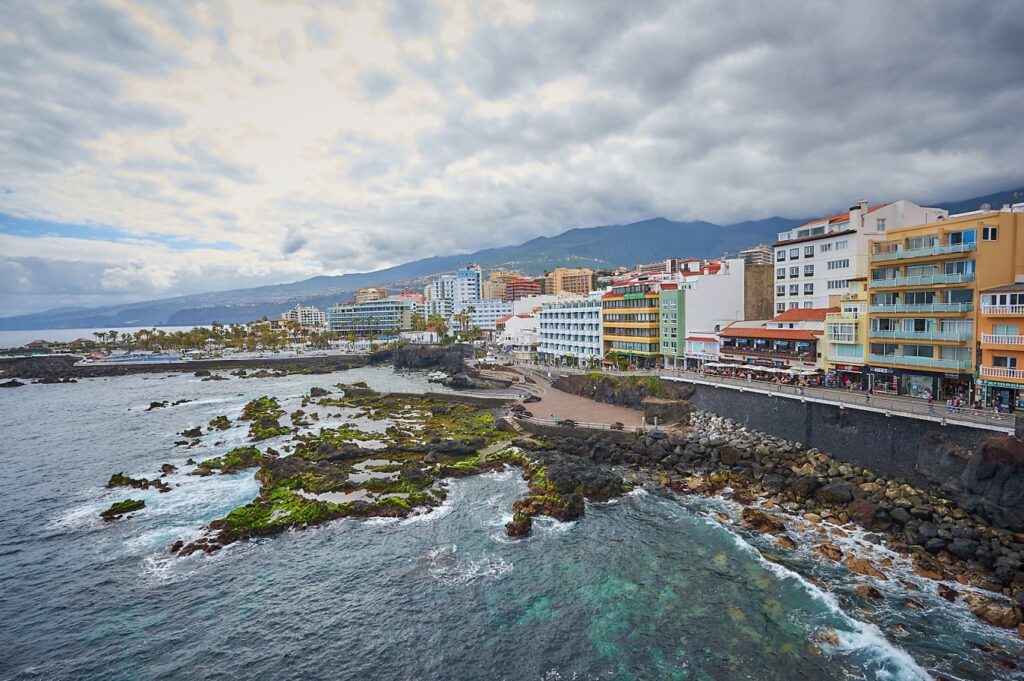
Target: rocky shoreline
(777,479)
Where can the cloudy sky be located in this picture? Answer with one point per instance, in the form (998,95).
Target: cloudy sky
(156,148)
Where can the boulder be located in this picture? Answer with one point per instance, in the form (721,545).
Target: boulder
(759,521)
(992,483)
(318,392)
(863,566)
(829,551)
(868,591)
(13,383)
(835,493)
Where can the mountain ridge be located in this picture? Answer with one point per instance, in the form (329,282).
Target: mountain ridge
(596,247)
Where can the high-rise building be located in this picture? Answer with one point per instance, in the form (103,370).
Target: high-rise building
(758,255)
(368,293)
(307,316)
(925,285)
(562,279)
(815,261)
(374,317)
(570,332)
(629,318)
(494,287)
(467,284)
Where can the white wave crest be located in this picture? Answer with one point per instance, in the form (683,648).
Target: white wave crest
(446,566)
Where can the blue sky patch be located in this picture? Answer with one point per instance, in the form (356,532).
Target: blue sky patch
(40,228)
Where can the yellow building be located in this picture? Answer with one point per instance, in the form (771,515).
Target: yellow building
(923,308)
(846,335)
(494,287)
(630,323)
(562,279)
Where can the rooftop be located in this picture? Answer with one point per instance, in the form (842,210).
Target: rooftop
(803,314)
(770,334)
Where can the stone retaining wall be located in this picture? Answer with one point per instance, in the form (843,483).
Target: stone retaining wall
(920,451)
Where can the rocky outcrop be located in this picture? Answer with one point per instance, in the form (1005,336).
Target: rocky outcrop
(122,480)
(13,383)
(992,484)
(447,358)
(121,508)
(624,392)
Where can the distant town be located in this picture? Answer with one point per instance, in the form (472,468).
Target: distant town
(894,298)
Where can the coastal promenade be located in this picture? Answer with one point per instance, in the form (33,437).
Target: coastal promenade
(888,404)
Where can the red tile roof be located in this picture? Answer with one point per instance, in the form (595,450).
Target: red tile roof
(803,314)
(504,319)
(701,338)
(773,334)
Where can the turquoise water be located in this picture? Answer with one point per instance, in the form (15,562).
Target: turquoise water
(646,587)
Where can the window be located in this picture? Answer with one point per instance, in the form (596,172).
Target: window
(841,245)
(989,233)
(888,349)
(958,267)
(922,270)
(959,295)
(884,298)
(794,289)
(880,224)
(780,308)
(967,236)
(809,251)
(808,270)
(954,352)
(794,253)
(838,264)
(837,284)
(808,304)
(794,272)
(1004,362)
(883,273)
(1004,329)
(918,242)
(808,289)
(884,324)
(918,325)
(780,255)
(919,297)
(793,305)
(825,248)
(780,290)
(780,273)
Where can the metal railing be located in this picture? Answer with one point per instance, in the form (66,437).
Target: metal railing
(930,362)
(923,335)
(924,280)
(902,254)
(925,307)
(582,424)
(890,404)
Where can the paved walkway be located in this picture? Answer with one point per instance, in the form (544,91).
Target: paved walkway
(565,406)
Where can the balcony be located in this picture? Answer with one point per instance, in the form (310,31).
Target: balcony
(836,317)
(1001,372)
(953,336)
(927,362)
(926,280)
(902,254)
(1017,310)
(1001,339)
(926,307)
(768,352)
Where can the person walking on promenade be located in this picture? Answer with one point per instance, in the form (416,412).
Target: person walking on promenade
(931,405)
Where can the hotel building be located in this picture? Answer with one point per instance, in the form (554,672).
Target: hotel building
(375,317)
(924,312)
(570,332)
(579,281)
(814,262)
(630,314)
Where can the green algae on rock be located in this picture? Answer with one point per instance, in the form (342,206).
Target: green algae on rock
(121,508)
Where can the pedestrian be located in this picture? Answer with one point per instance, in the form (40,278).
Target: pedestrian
(867,396)
(931,404)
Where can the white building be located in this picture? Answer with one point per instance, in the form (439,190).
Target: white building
(307,316)
(467,285)
(570,331)
(442,288)
(374,317)
(701,347)
(815,260)
(438,307)
(519,336)
(484,314)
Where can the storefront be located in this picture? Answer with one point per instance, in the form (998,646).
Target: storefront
(848,376)
(920,385)
(1009,396)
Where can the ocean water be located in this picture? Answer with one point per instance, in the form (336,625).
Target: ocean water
(648,586)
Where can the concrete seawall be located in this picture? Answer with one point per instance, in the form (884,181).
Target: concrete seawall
(921,451)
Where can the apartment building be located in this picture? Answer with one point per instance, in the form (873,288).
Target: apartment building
(438,307)
(758,255)
(483,314)
(468,282)
(368,293)
(371,318)
(846,336)
(1001,335)
(494,287)
(924,287)
(630,313)
(579,281)
(307,316)
(814,261)
(570,332)
(520,288)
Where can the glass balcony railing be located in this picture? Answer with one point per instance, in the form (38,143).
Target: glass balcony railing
(903,254)
(924,307)
(924,335)
(927,362)
(925,280)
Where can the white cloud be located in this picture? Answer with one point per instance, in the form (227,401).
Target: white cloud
(327,138)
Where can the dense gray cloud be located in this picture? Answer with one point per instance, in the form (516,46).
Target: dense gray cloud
(392,132)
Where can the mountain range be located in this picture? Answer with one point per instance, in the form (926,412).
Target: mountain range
(601,247)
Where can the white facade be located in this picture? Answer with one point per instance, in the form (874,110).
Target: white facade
(814,261)
(484,314)
(308,317)
(702,346)
(467,285)
(570,329)
(442,288)
(713,301)
(438,307)
(531,304)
